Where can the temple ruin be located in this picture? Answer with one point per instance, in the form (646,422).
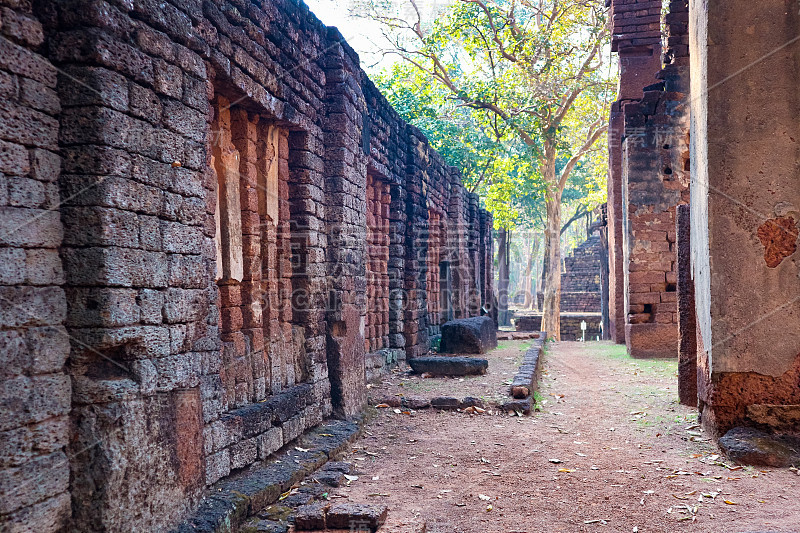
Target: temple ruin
(214,230)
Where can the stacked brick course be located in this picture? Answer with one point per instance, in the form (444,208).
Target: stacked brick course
(235,220)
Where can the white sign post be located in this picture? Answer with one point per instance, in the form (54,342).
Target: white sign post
(583,331)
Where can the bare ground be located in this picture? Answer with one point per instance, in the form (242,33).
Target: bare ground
(626,460)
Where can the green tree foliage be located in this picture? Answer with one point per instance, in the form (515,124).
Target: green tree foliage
(529,75)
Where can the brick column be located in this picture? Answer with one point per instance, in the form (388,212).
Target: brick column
(637,40)
(346,178)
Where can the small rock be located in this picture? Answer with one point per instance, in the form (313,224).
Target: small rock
(391,401)
(471,401)
(519,392)
(329,477)
(339,466)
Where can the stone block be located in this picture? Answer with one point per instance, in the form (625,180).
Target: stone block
(13,159)
(310,517)
(32,306)
(523,406)
(293,428)
(270,442)
(445,402)
(218,465)
(469,335)
(34,481)
(243,453)
(43,267)
(30,228)
(449,366)
(350,515)
(775,417)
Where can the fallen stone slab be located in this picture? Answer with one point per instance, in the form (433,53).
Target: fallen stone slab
(449,366)
(750,446)
(474,335)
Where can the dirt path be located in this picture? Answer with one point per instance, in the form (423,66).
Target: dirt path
(626,460)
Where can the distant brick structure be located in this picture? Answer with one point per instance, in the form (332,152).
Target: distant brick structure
(581,290)
(210,220)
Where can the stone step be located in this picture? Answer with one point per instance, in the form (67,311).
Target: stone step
(229,502)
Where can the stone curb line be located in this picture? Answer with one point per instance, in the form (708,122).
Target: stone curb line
(526,380)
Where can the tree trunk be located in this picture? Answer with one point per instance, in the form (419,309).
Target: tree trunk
(551,314)
(503,245)
(545,259)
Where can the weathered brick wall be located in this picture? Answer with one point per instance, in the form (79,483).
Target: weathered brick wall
(245,224)
(34,388)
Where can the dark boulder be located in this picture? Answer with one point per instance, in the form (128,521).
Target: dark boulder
(469,335)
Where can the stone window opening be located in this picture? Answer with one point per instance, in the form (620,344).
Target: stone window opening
(437,237)
(254,272)
(445,292)
(378,198)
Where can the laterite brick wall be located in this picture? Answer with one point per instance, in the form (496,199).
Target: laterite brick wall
(214,228)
